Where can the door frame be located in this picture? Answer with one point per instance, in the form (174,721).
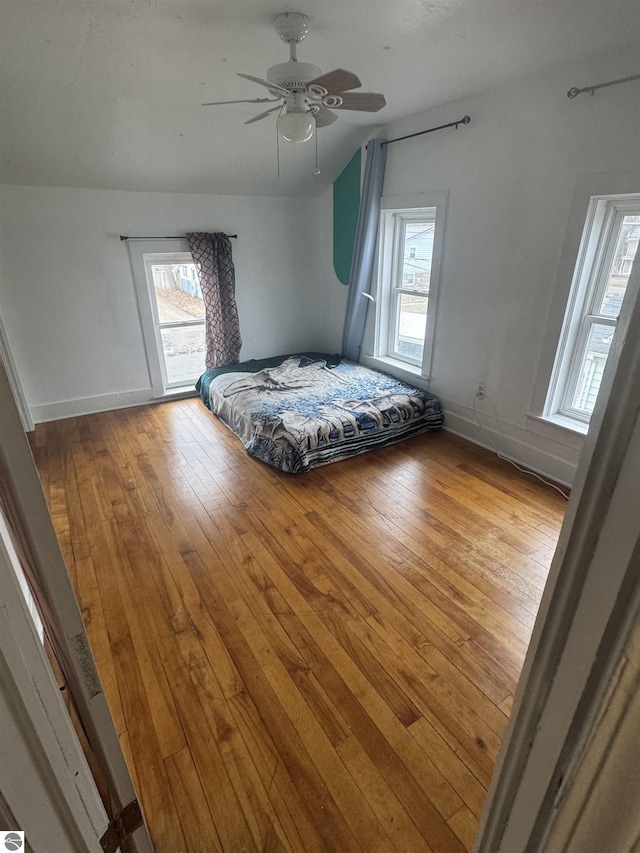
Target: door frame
(45,781)
(37,532)
(14,380)
(589,607)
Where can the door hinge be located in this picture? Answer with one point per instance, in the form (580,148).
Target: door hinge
(121,827)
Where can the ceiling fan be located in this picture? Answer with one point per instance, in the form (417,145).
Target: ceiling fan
(303,95)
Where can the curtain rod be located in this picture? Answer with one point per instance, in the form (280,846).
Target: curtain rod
(464,120)
(174,237)
(573,93)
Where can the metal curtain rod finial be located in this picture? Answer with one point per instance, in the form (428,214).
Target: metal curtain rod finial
(574,92)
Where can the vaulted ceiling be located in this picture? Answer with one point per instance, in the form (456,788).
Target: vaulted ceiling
(107,93)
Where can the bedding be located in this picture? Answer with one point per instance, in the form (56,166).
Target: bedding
(296,412)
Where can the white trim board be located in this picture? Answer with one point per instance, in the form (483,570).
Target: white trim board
(103,403)
(14,380)
(64,616)
(90,405)
(45,780)
(554,459)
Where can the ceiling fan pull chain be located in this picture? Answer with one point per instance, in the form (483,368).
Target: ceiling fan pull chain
(317,170)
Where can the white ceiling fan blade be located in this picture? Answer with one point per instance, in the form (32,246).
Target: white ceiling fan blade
(273,86)
(368,102)
(337,81)
(324,117)
(263,115)
(252,101)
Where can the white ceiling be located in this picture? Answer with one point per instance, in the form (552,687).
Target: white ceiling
(107,93)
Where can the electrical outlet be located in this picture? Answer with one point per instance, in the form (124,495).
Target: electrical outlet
(481,390)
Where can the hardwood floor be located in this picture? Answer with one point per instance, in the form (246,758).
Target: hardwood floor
(303,663)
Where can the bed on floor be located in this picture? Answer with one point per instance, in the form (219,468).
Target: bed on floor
(296,412)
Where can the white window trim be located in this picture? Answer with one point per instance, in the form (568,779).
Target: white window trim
(157,258)
(142,255)
(396,220)
(407,206)
(623,184)
(595,257)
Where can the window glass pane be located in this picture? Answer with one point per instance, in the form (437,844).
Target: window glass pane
(178,293)
(626,248)
(184,351)
(411,326)
(417,255)
(592,367)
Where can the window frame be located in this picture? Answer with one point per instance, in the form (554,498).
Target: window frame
(164,251)
(590,277)
(163,259)
(397,286)
(395,213)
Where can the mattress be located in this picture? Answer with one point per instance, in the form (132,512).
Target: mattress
(299,411)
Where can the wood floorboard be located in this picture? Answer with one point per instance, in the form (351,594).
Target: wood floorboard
(323,662)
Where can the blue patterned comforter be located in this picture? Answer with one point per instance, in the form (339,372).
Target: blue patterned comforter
(300,412)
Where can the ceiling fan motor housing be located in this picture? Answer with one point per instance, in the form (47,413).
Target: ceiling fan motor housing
(293,75)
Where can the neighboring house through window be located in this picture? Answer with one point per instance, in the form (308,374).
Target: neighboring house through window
(409,250)
(607,251)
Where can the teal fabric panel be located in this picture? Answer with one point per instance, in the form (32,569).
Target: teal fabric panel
(346,206)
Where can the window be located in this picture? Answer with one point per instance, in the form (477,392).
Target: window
(171,310)
(609,245)
(408,259)
(178,317)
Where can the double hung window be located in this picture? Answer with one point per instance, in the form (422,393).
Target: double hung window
(609,245)
(178,317)
(172,314)
(408,263)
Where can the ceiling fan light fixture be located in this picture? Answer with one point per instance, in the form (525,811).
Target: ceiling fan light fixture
(296,126)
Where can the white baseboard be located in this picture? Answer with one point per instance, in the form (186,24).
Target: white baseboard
(90,405)
(553,459)
(549,457)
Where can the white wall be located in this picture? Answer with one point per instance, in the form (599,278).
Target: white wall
(510,175)
(67,297)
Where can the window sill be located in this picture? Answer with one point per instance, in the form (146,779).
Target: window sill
(542,424)
(401,369)
(177,393)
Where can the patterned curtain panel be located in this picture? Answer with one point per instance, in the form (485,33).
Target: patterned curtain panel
(212,257)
